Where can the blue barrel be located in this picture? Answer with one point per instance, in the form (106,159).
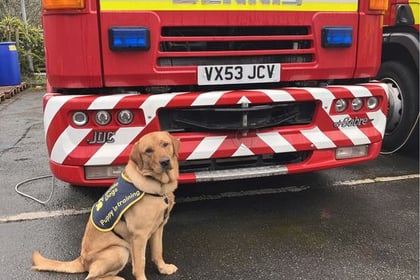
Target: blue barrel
(9,64)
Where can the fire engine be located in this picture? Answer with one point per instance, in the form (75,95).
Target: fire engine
(250,88)
(400,70)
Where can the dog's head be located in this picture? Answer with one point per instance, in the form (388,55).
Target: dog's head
(156,155)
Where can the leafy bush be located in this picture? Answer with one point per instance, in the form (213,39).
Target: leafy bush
(29,41)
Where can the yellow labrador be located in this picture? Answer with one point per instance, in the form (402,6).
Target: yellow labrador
(113,235)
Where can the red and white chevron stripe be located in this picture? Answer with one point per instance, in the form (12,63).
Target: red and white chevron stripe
(68,145)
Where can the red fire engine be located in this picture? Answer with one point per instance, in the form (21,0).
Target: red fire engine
(400,69)
(250,88)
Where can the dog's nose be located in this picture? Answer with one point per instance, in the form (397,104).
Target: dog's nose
(165,163)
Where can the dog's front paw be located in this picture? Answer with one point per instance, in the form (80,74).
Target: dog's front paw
(167,269)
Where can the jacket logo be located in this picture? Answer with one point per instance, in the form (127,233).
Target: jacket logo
(108,210)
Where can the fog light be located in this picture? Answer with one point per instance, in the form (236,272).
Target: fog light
(80,118)
(357,104)
(103,172)
(337,37)
(372,102)
(340,105)
(351,152)
(103,117)
(125,117)
(129,38)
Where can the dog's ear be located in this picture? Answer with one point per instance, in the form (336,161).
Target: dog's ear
(136,155)
(175,143)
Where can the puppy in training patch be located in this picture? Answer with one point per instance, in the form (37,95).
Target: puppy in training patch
(132,212)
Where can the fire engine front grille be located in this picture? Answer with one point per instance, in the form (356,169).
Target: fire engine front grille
(237,118)
(190,46)
(242,162)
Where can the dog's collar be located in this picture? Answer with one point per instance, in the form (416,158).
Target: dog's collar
(148,177)
(164,196)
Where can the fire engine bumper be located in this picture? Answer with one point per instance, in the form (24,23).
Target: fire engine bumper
(224,135)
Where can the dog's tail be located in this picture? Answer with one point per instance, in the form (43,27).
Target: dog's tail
(43,264)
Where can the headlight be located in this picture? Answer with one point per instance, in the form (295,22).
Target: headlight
(357,104)
(80,119)
(102,117)
(372,102)
(125,117)
(340,105)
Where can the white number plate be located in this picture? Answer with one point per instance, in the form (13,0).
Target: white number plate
(238,74)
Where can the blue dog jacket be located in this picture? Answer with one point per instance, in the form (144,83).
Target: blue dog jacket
(108,210)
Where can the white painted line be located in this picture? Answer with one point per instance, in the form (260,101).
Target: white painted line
(42,215)
(74,212)
(376,180)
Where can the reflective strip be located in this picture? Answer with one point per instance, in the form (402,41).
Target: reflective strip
(356,136)
(276,142)
(154,102)
(207,147)
(67,142)
(230,5)
(106,102)
(110,151)
(379,121)
(324,95)
(208,98)
(357,91)
(318,138)
(52,108)
(242,151)
(279,95)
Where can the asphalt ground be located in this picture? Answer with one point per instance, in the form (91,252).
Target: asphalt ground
(355,222)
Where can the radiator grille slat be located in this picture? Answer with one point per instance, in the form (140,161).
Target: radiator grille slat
(237,118)
(192,46)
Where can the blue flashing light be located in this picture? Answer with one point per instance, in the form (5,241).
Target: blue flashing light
(129,38)
(337,37)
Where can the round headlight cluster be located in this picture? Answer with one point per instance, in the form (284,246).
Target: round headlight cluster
(80,118)
(102,117)
(340,105)
(356,104)
(125,117)
(372,103)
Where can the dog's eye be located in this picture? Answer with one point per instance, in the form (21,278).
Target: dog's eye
(165,144)
(149,151)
